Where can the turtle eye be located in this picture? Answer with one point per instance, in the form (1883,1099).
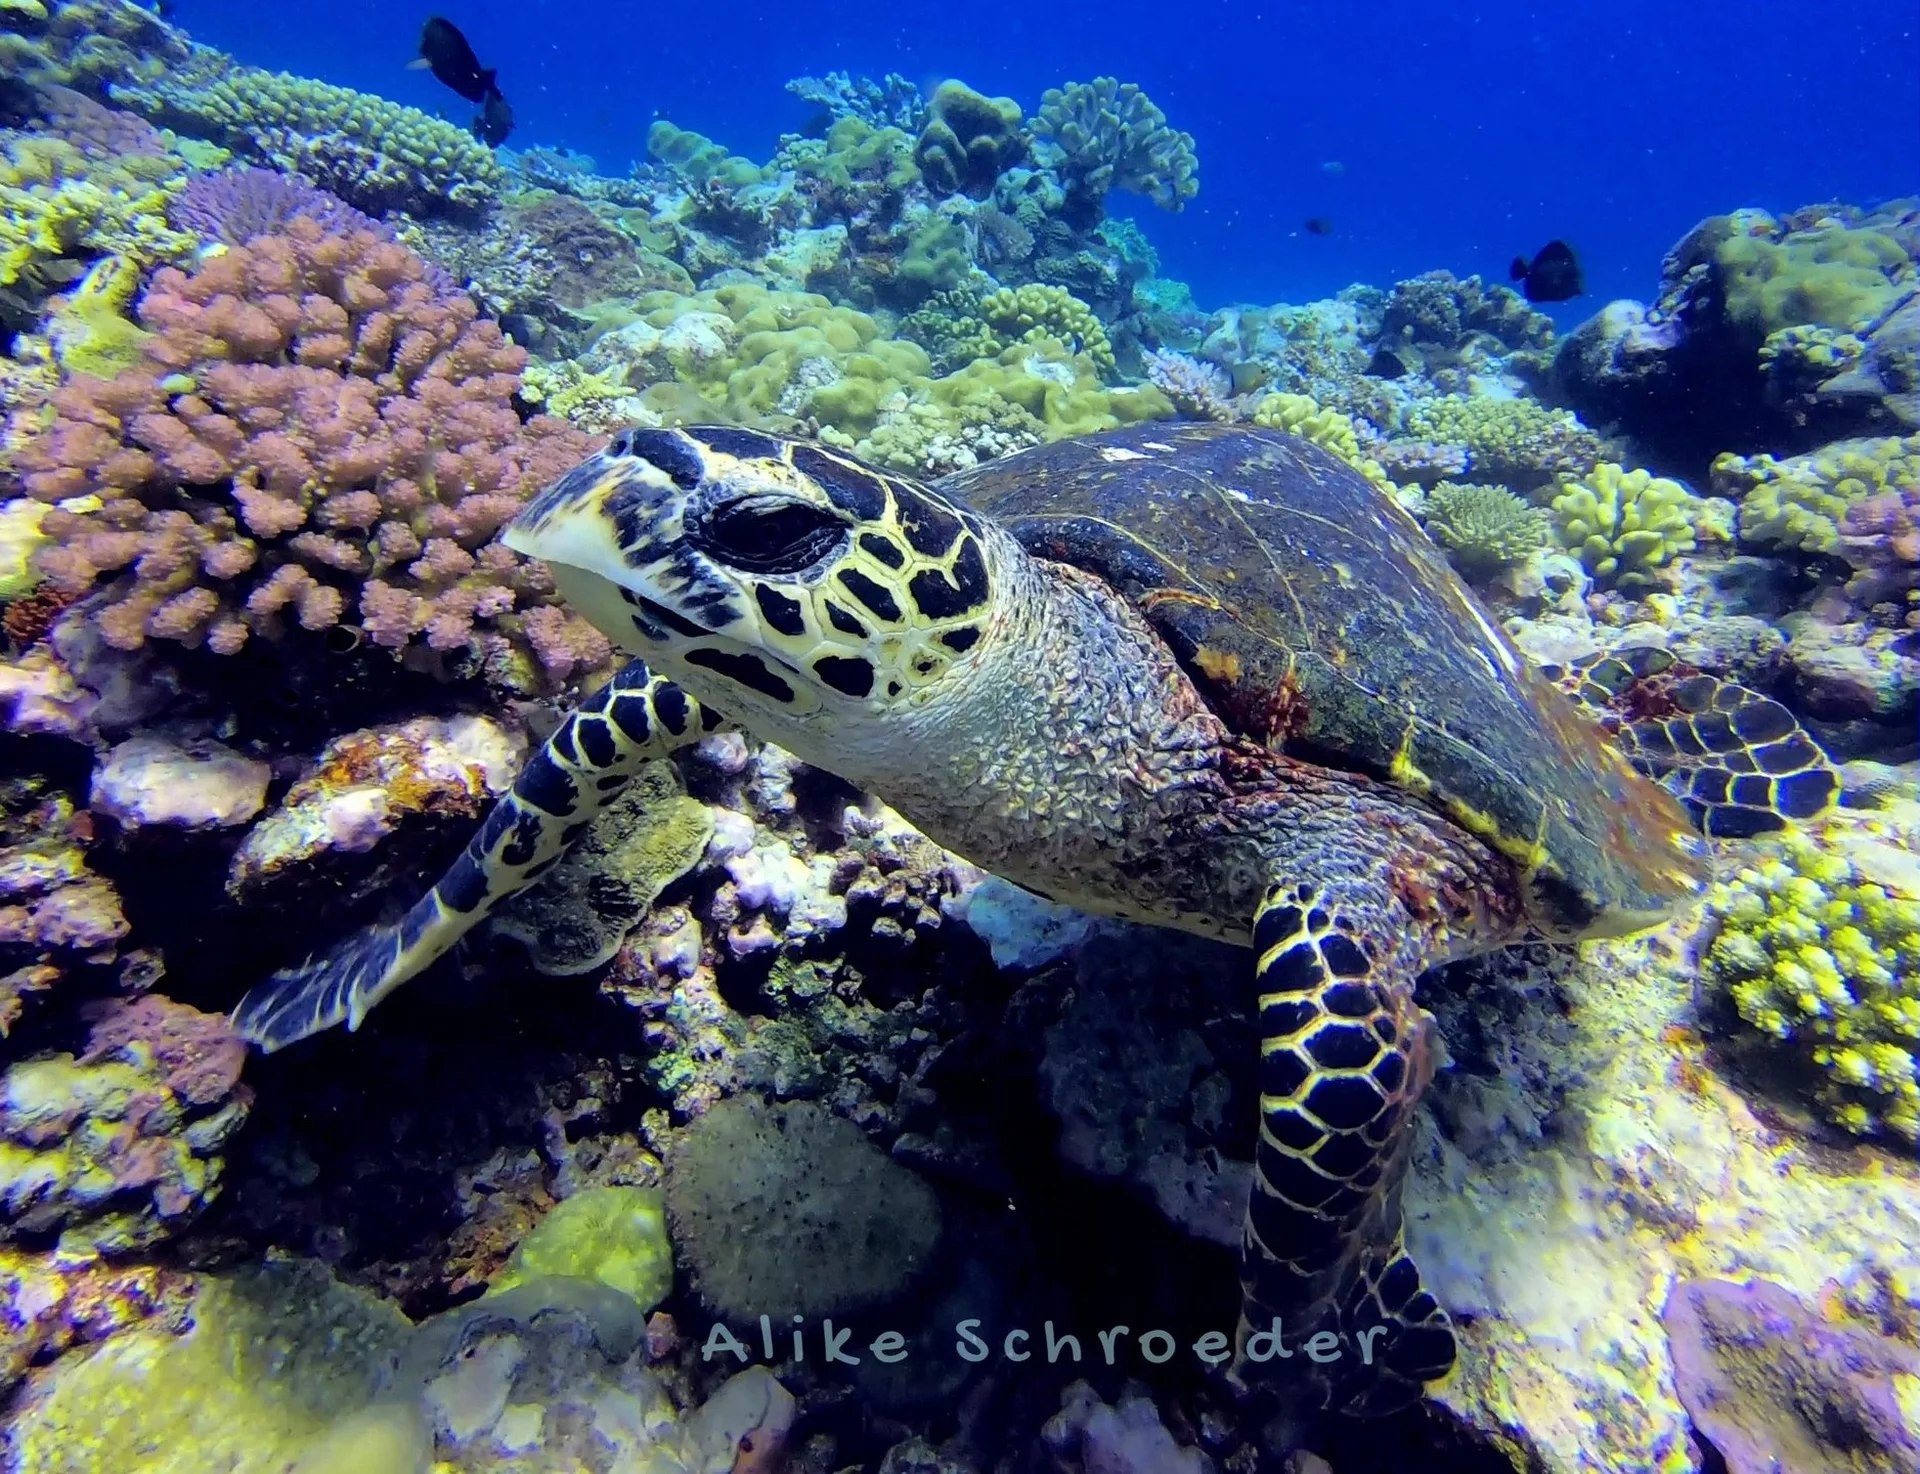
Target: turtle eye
(767,534)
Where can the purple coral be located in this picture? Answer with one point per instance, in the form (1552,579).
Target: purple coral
(236,205)
(98,131)
(1777,1389)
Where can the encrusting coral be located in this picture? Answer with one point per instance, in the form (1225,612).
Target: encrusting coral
(312,427)
(1624,524)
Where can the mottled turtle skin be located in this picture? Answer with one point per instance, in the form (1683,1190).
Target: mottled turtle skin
(1205,677)
(1318,619)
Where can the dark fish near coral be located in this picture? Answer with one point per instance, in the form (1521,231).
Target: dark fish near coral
(450,57)
(1317,225)
(1386,364)
(1552,276)
(494,120)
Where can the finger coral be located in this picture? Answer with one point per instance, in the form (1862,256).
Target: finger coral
(312,429)
(1105,134)
(1819,950)
(1799,503)
(1624,524)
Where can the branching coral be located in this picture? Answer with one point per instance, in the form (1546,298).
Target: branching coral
(1819,949)
(1484,528)
(1799,503)
(371,152)
(1104,135)
(311,425)
(1199,390)
(1509,440)
(1624,524)
(1327,428)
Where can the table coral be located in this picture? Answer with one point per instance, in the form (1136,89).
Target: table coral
(312,424)
(371,152)
(1624,524)
(1105,135)
(1819,950)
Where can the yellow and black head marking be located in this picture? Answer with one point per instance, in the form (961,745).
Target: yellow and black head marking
(774,577)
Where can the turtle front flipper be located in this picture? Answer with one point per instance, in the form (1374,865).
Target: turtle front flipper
(585,764)
(1738,760)
(1345,1052)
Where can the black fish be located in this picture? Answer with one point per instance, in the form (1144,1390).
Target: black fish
(446,52)
(1386,364)
(1317,225)
(494,121)
(1552,276)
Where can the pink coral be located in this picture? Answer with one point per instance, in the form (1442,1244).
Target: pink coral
(314,428)
(1880,537)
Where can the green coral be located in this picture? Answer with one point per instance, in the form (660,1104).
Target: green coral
(854,157)
(1105,135)
(1510,440)
(1624,524)
(1797,503)
(20,539)
(698,159)
(276,1354)
(372,152)
(57,207)
(1029,313)
(90,329)
(969,140)
(1819,950)
(1829,276)
(936,258)
(616,1236)
(593,401)
(1485,528)
(1302,415)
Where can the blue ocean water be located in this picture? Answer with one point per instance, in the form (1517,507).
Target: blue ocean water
(1459,135)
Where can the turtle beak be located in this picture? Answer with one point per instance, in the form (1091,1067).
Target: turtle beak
(613,515)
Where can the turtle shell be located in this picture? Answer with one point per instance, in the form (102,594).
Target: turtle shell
(1318,619)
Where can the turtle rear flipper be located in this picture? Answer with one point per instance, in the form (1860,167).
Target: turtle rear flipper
(1739,761)
(1345,1053)
(592,756)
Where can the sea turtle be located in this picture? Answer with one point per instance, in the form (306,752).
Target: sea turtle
(1202,676)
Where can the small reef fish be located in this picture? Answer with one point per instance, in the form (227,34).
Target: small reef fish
(1552,276)
(1333,167)
(450,57)
(1386,364)
(1317,225)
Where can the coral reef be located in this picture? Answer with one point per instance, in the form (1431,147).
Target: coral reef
(788,1210)
(1624,524)
(1798,503)
(371,152)
(1483,528)
(1513,441)
(969,140)
(311,424)
(614,1236)
(1818,950)
(1105,135)
(1776,1388)
(120,1148)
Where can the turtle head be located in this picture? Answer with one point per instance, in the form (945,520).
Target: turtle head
(803,594)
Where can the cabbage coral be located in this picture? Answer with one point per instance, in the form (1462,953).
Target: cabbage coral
(1819,950)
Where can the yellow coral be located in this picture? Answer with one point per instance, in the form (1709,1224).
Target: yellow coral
(1508,439)
(1798,503)
(593,401)
(1031,312)
(1819,950)
(1298,414)
(57,204)
(1624,524)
